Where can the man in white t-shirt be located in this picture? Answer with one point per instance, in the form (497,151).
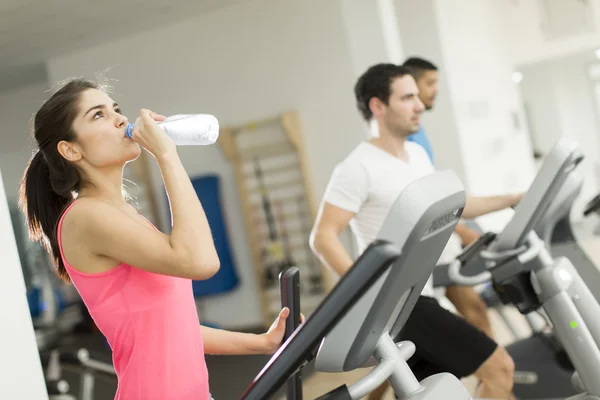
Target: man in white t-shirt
(361,191)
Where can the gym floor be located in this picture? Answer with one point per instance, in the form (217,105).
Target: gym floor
(229,376)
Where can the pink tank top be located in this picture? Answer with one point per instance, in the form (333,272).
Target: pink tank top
(152,326)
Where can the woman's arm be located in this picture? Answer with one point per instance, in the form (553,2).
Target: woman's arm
(221,342)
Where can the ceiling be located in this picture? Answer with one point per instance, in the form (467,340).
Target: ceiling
(31,31)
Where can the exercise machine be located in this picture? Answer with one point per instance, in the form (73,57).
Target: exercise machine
(543,369)
(524,273)
(384,310)
(556,230)
(407,248)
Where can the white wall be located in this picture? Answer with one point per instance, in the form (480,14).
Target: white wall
(496,153)
(364,34)
(17,108)
(577,104)
(562,104)
(21,375)
(540,98)
(241,63)
(523,26)
(372,33)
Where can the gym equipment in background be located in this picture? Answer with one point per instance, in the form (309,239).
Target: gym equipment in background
(288,258)
(525,274)
(556,230)
(543,369)
(208,189)
(272,256)
(89,369)
(271,168)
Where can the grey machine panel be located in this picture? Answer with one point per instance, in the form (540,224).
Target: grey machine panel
(564,157)
(420,223)
(560,207)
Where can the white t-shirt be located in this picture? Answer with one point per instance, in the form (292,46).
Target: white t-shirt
(368,182)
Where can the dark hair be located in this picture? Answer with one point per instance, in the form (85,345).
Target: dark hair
(50,182)
(418,66)
(376,82)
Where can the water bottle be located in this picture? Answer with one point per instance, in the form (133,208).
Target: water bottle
(188,129)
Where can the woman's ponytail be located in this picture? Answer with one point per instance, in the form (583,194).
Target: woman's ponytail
(43,207)
(50,182)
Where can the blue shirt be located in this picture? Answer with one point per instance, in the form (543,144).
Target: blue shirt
(420,137)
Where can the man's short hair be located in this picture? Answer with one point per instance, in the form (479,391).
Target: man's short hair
(418,66)
(376,82)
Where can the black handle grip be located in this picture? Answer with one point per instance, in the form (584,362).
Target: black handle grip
(592,206)
(289,284)
(475,247)
(340,393)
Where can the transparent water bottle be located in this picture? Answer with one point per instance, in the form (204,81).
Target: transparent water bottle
(188,129)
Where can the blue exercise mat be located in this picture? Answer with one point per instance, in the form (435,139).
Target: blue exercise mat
(208,189)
